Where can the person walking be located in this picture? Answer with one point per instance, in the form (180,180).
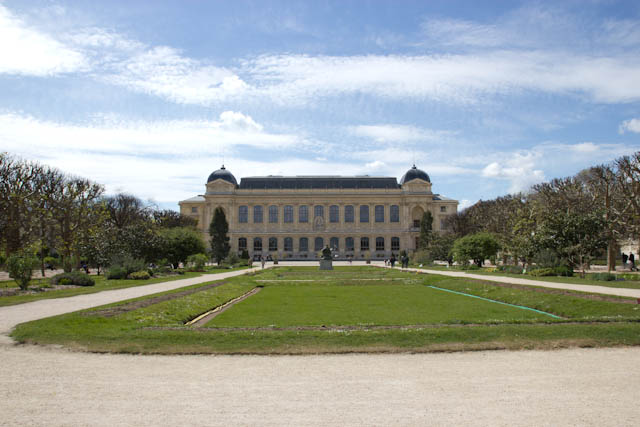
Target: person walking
(632,261)
(392,260)
(262,260)
(625,258)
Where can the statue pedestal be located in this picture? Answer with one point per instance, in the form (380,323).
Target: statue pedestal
(326,264)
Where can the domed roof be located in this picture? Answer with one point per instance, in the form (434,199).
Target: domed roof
(414,173)
(222,173)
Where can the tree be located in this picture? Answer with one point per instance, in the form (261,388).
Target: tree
(426,227)
(478,247)
(179,243)
(628,177)
(440,247)
(126,209)
(218,231)
(170,219)
(20,267)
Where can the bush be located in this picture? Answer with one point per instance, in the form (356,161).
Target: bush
(75,278)
(20,268)
(51,262)
(231,259)
(422,256)
(563,270)
(116,273)
(197,261)
(541,272)
(122,266)
(605,277)
(511,269)
(244,254)
(470,267)
(139,275)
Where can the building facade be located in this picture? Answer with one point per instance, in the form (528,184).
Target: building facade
(295,217)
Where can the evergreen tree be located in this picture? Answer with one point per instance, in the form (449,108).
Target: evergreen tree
(426,227)
(218,232)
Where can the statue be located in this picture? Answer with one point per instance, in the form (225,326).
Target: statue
(326,253)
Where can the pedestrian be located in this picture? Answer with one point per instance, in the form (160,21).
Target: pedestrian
(632,261)
(625,258)
(405,261)
(392,260)
(262,260)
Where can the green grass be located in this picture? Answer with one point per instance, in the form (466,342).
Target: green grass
(102,284)
(395,312)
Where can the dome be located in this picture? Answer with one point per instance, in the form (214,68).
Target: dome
(414,173)
(222,173)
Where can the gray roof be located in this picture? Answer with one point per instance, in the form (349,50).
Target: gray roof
(194,199)
(317,182)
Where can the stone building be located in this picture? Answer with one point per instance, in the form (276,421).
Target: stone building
(295,217)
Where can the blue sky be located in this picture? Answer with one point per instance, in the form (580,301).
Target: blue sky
(149,97)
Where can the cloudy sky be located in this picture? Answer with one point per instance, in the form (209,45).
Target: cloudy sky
(149,97)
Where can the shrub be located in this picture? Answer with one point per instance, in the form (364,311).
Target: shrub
(20,268)
(470,267)
(52,262)
(231,259)
(541,272)
(244,254)
(563,270)
(197,261)
(139,275)
(75,278)
(116,273)
(511,269)
(422,256)
(605,277)
(123,266)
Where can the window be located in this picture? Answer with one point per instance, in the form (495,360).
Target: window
(348,243)
(334,243)
(194,209)
(242,244)
(379,243)
(303,213)
(257,214)
(243,214)
(364,213)
(379,213)
(394,213)
(318,211)
(288,244)
(257,244)
(348,213)
(334,213)
(417,242)
(443,208)
(318,244)
(364,243)
(288,213)
(273,243)
(395,243)
(304,244)
(416,223)
(273,214)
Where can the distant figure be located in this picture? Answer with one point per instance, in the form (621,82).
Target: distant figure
(392,260)
(405,261)
(625,258)
(262,260)
(632,261)
(84,266)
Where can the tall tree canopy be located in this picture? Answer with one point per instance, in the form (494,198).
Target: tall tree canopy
(218,230)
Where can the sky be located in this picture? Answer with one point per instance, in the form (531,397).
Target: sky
(487,97)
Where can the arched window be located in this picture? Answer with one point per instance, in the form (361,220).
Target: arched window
(288,213)
(304,244)
(364,243)
(379,213)
(242,244)
(273,214)
(379,243)
(348,213)
(318,211)
(257,214)
(395,243)
(394,213)
(288,244)
(334,213)
(334,243)
(303,213)
(243,214)
(364,213)
(318,244)
(273,243)
(257,244)
(348,243)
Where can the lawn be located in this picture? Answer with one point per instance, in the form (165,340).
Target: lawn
(38,287)
(362,309)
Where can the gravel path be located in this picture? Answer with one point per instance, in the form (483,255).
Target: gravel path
(54,387)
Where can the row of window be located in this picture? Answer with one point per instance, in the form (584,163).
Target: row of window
(318,244)
(318,212)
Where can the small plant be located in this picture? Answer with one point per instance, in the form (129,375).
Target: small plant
(20,268)
(75,278)
(563,270)
(116,273)
(275,259)
(367,256)
(231,260)
(124,265)
(139,275)
(605,277)
(542,272)
(511,269)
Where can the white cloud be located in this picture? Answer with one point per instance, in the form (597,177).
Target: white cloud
(459,32)
(631,125)
(398,133)
(375,165)
(519,169)
(464,204)
(24,50)
(585,147)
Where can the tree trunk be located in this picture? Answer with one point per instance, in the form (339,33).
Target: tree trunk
(611,255)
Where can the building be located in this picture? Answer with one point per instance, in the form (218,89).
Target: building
(295,217)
